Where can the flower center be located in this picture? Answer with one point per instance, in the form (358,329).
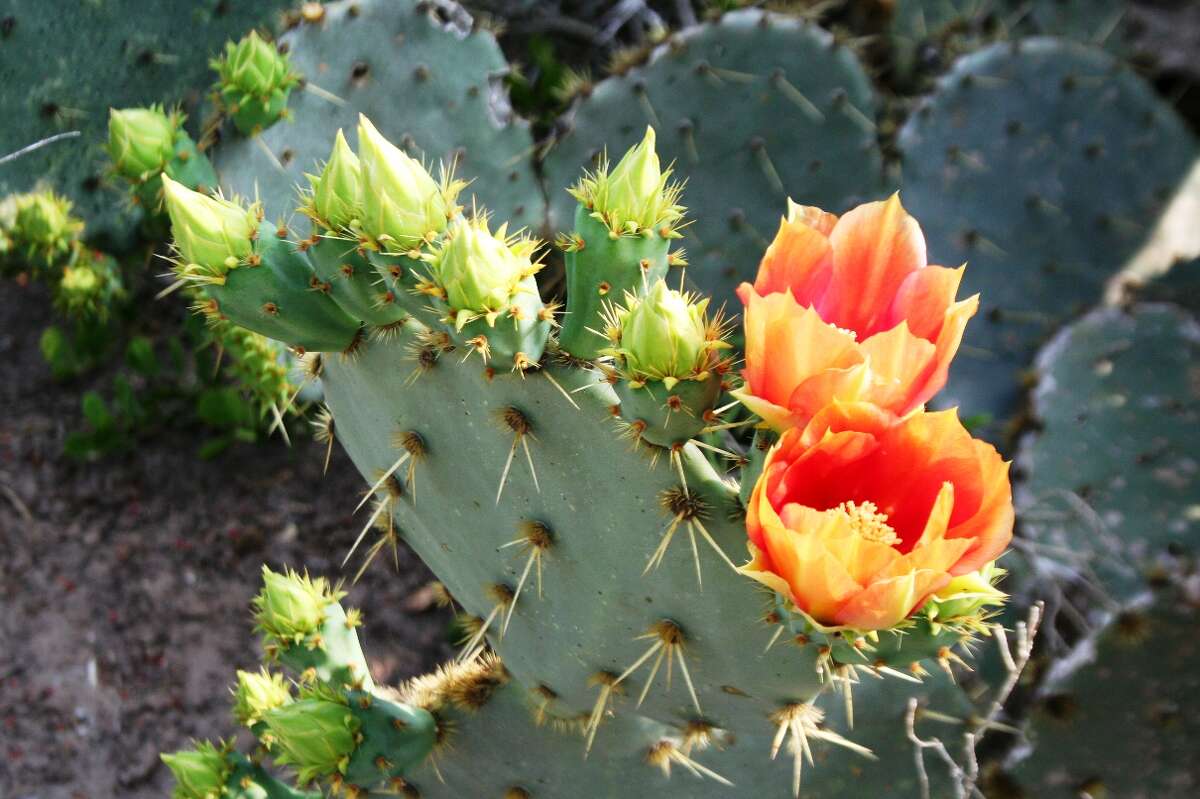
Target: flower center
(867,522)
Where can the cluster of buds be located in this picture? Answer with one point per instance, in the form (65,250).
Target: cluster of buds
(39,232)
(254,82)
(89,287)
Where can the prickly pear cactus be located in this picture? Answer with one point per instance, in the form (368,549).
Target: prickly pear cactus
(1110,507)
(1058,160)
(431,85)
(621,630)
(129,53)
(748,109)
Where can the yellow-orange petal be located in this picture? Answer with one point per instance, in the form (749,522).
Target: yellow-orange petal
(875,247)
(786,345)
(923,299)
(900,363)
(888,602)
(819,583)
(990,527)
(812,216)
(799,261)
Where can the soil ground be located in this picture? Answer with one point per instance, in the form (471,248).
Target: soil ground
(125,583)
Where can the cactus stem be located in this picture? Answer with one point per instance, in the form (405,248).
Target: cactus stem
(665,752)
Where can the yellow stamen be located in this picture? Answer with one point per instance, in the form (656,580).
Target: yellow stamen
(867,522)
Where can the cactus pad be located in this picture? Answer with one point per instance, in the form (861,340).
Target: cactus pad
(429,86)
(750,109)
(1058,160)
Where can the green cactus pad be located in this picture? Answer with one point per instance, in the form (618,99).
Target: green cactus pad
(400,734)
(354,284)
(427,86)
(1118,719)
(282,298)
(1058,161)
(593,586)
(509,738)
(1111,481)
(600,269)
(751,109)
(667,423)
(124,53)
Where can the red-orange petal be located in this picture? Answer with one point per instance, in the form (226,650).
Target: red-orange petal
(799,261)
(923,299)
(875,247)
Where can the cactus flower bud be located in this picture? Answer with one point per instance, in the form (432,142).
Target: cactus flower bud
(337,193)
(663,335)
(88,286)
(290,606)
(258,693)
(44,222)
(211,233)
(254,66)
(200,772)
(141,141)
(479,271)
(967,595)
(402,204)
(316,736)
(634,196)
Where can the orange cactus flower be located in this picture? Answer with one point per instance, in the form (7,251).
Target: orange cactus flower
(848,309)
(860,517)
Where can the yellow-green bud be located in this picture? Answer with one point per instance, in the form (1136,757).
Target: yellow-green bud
(258,693)
(141,141)
(634,196)
(315,736)
(43,219)
(402,203)
(663,335)
(337,193)
(254,66)
(290,606)
(211,233)
(200,773)
(480,271)
(968,594)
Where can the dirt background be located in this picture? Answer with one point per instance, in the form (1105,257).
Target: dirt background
(125,583)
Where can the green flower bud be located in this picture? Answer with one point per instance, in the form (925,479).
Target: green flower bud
(477,272)
(200,773)
(290,607)
(254,66)
(337,193)
(141,141)
(967,595)
(315,736)
(634,196)
(257,693)
(44,221)
(211,234)
(88,286)
(664,335)
(402,204)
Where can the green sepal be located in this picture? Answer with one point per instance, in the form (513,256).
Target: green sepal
(394,739)
(252,115)
(600,272)
(354,283)
(278,299)
(666,425)
(511,341)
